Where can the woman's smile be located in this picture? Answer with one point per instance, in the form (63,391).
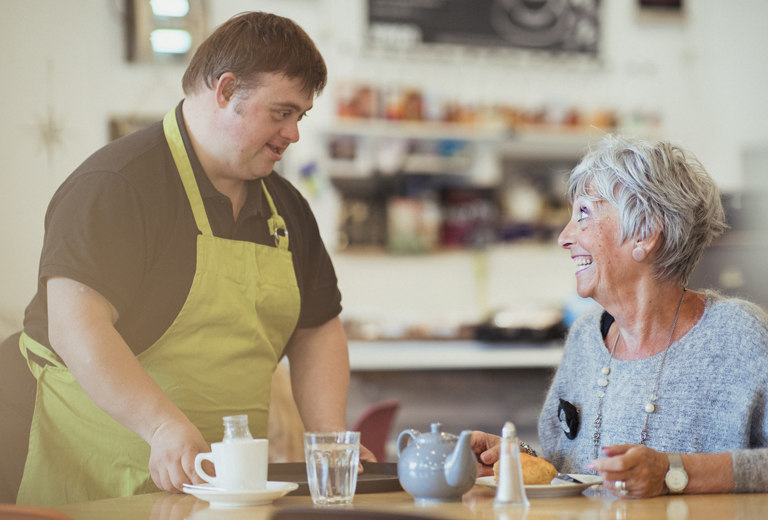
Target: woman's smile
(582,262)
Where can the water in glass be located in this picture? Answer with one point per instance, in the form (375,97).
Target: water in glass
(332,461)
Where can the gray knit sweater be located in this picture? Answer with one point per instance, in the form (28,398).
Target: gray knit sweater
(713,393)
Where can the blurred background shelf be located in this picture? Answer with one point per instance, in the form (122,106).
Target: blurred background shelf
(451,355)
(429,130)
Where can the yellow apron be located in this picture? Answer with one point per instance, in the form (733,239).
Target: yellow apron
(215,359)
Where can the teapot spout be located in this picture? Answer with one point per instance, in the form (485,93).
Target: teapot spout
(460,466)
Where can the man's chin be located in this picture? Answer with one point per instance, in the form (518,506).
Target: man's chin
(262,171)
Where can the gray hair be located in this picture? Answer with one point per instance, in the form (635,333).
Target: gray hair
(654,186)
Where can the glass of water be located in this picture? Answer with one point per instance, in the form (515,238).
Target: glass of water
(332,460)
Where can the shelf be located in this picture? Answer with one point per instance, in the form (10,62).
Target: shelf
(550,143)
(531,141)
(451,355)
(426,130)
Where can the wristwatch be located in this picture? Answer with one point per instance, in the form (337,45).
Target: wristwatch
(676,478)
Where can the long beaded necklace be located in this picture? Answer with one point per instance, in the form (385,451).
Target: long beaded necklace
(650,406)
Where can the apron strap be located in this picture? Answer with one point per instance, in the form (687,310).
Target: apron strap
(276,223)
(180,157)
(28,347)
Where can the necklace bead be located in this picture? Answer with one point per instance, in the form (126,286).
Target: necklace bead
(606,370)
(649,408)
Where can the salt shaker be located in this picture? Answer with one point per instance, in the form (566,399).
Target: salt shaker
(236,428)
(510,489)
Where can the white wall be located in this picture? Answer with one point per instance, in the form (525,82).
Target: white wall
(64,76)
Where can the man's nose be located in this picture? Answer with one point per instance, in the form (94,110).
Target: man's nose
(291,132)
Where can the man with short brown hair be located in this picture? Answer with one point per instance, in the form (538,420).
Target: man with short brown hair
(177,269)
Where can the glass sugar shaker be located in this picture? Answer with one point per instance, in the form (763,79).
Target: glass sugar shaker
(236,428)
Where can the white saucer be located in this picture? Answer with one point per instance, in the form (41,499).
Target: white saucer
(222,498)
(558,488)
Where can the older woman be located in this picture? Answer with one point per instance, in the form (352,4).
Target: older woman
(660,370)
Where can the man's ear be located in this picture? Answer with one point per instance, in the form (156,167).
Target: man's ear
(226,87)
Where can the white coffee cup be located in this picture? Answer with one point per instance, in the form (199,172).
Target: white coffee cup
(240,465)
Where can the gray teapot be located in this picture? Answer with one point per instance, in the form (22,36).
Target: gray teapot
(435,465)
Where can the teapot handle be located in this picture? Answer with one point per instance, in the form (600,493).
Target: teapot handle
(402,439)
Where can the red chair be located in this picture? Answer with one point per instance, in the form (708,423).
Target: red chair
(374,425)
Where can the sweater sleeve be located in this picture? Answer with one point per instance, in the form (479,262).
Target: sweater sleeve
(750,471)
(569,375)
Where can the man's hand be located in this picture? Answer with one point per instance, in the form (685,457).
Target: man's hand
(173,448)
(82,332)
(366,454)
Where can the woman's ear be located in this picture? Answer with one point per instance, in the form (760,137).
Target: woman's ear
(645,246)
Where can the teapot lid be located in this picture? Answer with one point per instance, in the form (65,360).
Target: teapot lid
(435,435)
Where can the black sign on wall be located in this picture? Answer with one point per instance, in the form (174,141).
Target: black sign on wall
(568,26)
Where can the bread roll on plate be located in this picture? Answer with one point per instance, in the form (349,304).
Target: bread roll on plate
(536,471)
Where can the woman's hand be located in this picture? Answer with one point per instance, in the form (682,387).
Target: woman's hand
(632,471)
(486,448)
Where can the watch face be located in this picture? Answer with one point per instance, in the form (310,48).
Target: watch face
(676,480)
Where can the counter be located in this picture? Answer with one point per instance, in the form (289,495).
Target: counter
(461,384)
(451,355)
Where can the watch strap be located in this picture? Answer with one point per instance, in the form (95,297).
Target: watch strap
(675,461)
(676,465)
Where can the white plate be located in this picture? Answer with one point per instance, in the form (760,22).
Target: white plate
(221,498)
(560,488)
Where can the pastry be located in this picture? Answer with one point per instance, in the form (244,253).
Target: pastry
(536,471)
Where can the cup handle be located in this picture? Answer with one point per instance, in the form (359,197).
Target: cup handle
(199,458)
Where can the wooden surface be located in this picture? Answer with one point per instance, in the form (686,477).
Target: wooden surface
(476,504)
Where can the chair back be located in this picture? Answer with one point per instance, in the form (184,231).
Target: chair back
(374,425)
(17,404)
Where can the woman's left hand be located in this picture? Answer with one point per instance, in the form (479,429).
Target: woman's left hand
(631,470)
(486,447)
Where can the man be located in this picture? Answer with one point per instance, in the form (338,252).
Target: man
(177,269)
